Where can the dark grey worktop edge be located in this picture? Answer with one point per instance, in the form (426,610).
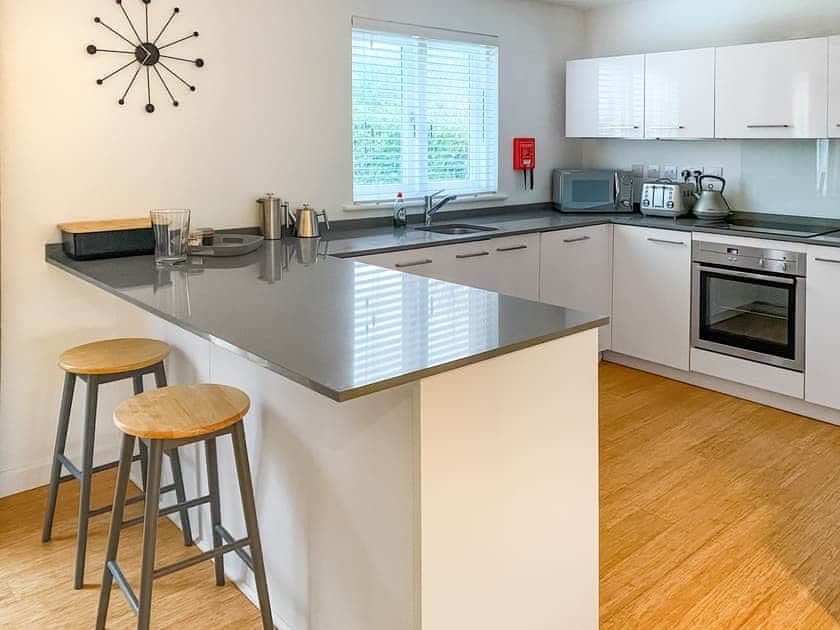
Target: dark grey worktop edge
(411,377)
(338,396)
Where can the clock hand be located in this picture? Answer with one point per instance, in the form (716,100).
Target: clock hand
(148,53)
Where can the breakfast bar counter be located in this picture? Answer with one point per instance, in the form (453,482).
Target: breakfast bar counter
(425,454)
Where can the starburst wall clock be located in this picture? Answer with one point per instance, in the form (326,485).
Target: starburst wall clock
(147,55)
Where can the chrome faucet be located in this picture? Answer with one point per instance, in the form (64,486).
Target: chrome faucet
(431,208)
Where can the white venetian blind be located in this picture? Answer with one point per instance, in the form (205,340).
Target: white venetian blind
(425,111)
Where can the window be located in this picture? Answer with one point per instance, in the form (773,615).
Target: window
(425,112)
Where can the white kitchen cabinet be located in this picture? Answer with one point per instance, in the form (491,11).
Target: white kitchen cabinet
(680,94)
(576,272)
(652,295)
(429,261)
(774,90)
(605,97)
(516,265)
(834,87)
(822,345)
(508,265)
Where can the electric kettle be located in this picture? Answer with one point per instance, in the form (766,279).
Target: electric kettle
(711,203)
(305,222)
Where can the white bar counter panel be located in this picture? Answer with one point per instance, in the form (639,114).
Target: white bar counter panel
(483,480)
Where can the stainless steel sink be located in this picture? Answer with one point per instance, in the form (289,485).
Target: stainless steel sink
(456,229)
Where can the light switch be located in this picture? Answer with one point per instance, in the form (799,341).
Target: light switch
(670,171)
(652,171)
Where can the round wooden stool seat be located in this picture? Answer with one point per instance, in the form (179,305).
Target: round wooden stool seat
(113,356)
(182,411)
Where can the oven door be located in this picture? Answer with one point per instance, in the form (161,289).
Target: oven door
(754,316)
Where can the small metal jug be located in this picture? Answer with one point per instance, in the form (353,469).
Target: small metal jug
(306,222)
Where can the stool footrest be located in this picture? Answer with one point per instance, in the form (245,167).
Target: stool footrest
(125,587)
(178,507)
(75,473)
(203,557)
(228,538)
(135,499)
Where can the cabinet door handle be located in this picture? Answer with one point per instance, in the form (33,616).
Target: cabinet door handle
(828,260)
(576,240)
(515,248)
(769,126)
(416,263)
(476,255)
(619,127)
(670,127)
(665,242)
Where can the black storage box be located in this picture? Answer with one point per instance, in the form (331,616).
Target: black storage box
(90,240)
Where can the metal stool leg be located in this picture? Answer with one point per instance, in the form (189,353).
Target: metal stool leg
(175,461)
(144,451)
(246,490)
(215,506)
(181,495)
(60,443)
(87,477)
(150,523)
(126,455)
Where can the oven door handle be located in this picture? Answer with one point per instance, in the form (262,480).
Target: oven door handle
(748,276)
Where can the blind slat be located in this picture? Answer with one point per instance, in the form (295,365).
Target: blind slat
(425,110)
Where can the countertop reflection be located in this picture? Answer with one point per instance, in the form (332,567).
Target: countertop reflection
(341,328)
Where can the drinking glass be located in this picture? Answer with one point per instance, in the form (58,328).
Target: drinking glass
(172,235)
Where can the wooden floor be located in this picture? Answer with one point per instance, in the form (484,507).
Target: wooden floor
(715,513)
(36,580)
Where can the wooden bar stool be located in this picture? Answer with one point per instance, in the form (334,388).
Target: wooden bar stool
(96,364)
(166,419)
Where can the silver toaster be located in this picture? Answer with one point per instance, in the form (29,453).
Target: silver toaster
(664,198)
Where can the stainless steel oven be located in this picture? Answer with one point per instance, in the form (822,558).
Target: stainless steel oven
(749,303)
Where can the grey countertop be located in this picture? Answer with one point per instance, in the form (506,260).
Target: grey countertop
(346,329)
(372,239)
(341,328)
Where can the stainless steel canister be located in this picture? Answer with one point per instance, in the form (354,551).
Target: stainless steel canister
(274,216)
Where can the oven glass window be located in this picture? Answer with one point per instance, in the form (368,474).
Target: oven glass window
(756,315)
(591,191)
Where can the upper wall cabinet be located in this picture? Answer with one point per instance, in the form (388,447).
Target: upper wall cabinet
(776,90)
(680,94)
(605,97)
(834,87)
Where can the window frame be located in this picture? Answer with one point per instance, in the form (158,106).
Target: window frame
(480,180)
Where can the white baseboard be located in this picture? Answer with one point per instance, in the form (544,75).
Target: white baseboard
(753,394)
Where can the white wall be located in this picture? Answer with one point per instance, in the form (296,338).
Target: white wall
(272,112)
(763,176)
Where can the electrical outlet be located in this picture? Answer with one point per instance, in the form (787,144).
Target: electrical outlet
(638,170)
(715,170)
(670,171)
(652,171)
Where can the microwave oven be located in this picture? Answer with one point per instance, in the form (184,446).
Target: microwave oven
(586,190)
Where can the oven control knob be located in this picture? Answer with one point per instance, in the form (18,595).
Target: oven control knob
(760,262)
(784,266)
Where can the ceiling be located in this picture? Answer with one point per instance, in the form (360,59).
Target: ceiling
(588,4)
